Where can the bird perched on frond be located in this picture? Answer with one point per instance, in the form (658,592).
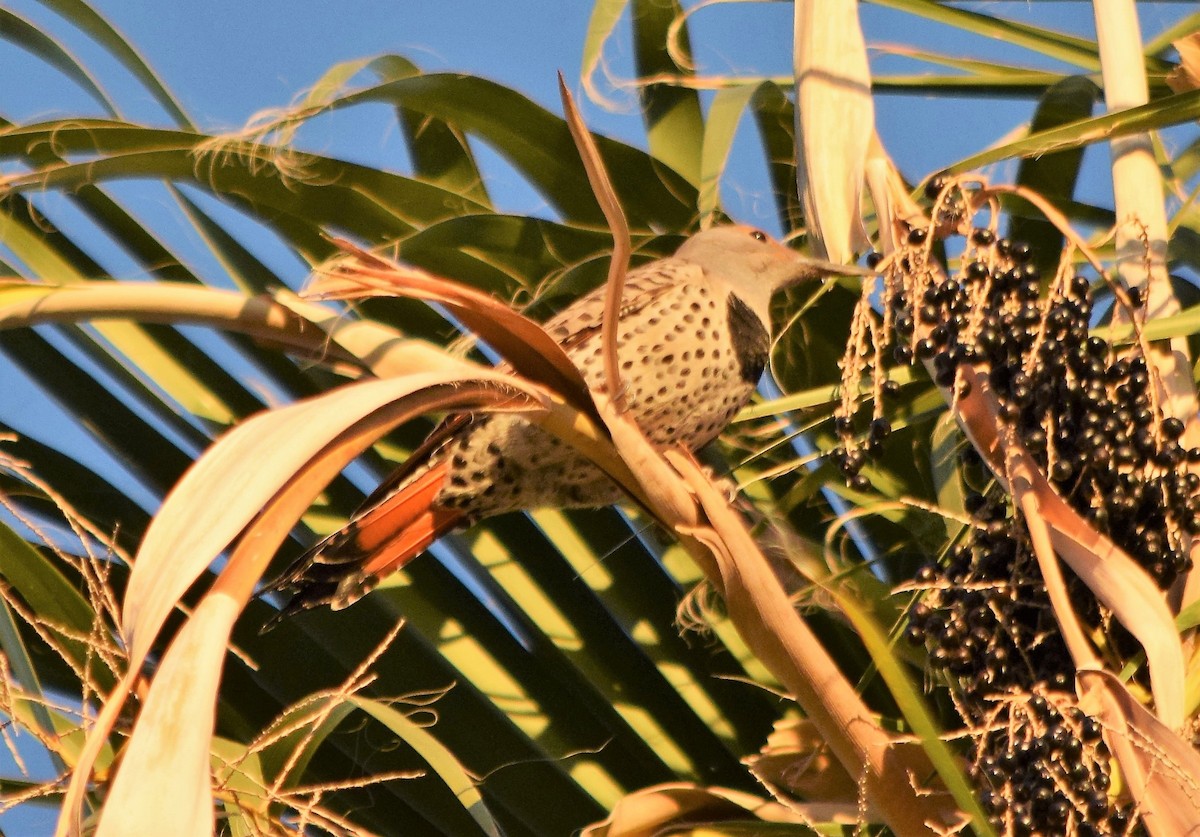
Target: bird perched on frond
(693,340)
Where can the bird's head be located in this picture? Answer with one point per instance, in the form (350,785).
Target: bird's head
(753,265)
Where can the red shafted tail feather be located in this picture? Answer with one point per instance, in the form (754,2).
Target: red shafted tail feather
(376,542)
(399,529)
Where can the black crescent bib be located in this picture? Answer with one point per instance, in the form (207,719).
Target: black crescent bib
(750,340)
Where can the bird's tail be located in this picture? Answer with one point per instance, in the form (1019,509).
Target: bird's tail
(380,539)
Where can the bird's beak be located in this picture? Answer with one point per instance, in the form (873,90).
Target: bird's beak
(807,269)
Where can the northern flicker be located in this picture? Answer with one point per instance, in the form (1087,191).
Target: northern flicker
(693,341)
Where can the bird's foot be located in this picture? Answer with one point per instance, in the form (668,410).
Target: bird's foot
(728,488)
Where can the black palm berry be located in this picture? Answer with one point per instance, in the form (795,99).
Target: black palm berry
(881,428)
(1085,415)
(1090,730)
(1061,471)
(1143,440)
(1027,273)
(935,187)
(1172,428)
(983,237)
(977,271)
(927,574)
(852,462)
(1020,251)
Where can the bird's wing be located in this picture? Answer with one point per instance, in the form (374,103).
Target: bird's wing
(582,319)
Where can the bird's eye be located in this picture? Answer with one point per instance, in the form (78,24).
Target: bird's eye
(758,235)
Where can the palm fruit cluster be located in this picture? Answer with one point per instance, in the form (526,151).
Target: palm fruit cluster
(1087,412)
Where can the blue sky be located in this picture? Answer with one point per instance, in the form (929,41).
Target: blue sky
(228,59)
